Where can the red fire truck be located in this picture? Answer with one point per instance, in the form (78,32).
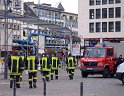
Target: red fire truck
(100,59)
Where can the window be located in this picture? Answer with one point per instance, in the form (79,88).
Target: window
(71,18)
(104,13)
(117,1)
(91,13)
(98,27)
(98,13)
(104,1)
(104,26)
(117,26)
(110,52)
(111,12)
(57,16)
(117,12)
(98,2)
(91,2)
(91,28)
(111,1)
(111,26)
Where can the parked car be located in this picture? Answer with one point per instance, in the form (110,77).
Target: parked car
(120,72)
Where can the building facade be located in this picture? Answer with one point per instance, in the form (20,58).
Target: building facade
(10,28)
(66,22)
(101,20)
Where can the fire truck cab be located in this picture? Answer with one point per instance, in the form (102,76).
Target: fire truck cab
(98,60)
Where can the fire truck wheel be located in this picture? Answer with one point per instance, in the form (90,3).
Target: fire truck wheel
(84,75)
(122,79)
(106,73)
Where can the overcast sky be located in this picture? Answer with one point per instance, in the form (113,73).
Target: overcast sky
(69,5)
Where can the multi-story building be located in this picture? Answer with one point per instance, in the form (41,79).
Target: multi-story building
(101,20)
(10,27)
(61,24)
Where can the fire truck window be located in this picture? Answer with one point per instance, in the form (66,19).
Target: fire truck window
(110,52)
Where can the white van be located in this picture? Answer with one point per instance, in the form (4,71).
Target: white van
(120,72)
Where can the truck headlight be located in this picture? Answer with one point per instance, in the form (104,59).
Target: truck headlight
(100,64)
(80,64)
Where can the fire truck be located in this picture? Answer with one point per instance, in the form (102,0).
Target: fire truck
(100,59)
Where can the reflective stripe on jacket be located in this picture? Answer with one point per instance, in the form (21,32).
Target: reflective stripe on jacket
(55,64)
(71,64)
(15,68)
(31,64)
(45,66)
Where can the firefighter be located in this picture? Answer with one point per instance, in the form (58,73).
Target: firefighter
(31,66)
(71,64)
(15,66)
(55,64)
(45,67)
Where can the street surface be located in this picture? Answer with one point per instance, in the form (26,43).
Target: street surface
(93,86)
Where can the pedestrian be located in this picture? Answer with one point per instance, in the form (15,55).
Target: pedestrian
(119,61)
(45,64)
(55,64)
(32,66)
(71,64)
(15,66)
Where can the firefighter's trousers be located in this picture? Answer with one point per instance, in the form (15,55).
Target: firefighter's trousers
(32,77)
(71,73)
(55,73)
(17,80)
(45,75)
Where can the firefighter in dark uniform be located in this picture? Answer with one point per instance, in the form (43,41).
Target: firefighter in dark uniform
(71,64)
(55,64)
(31,66)
(15,66)
(45,67)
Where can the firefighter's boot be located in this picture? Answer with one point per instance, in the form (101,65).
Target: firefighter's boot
(70,77)
(56,77)
(51,76)
(34,85)
(47,79)
(18,86)
(11,83)
(30,86)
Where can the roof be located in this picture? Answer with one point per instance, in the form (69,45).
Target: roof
(50,8)
(60,6)
(34,20)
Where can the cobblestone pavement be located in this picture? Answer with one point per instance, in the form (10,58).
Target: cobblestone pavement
(93,86)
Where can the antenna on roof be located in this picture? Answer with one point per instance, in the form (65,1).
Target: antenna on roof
(57,3)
